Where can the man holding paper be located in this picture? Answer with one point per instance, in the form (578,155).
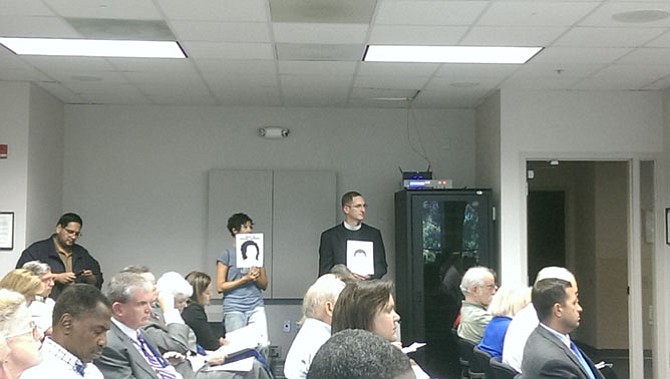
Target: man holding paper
(353,243)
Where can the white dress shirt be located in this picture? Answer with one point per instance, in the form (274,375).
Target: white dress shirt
(313,333)
(59,363)
(520,328)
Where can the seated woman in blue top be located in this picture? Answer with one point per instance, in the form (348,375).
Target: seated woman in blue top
(504,305)
(243,301)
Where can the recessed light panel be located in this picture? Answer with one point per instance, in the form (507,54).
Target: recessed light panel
(93,48)
(449,54)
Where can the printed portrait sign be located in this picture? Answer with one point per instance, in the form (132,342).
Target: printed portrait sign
(359,257)
(249,250)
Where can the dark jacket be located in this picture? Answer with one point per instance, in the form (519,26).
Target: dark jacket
(45,252)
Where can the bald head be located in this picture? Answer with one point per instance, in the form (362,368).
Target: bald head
(555,272)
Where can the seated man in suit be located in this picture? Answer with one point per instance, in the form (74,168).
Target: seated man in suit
(549,351)
(133,353)
(526,320)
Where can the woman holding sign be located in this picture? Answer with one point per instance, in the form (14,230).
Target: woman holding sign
(241,278)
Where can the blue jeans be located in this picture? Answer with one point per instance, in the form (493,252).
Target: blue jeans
(255,319)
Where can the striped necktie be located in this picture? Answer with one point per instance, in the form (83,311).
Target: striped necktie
(582,360)
(155,360)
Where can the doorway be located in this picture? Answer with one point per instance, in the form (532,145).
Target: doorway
(578,217)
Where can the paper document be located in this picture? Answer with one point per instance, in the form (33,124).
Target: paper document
(413,347)
(360,257)
(243,365)
(240,339)
(249,250)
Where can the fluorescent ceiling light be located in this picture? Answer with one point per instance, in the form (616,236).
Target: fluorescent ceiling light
(93,48)
(449,54)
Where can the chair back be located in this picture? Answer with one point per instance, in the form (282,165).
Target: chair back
(483,359)
(466,352)
(502,370)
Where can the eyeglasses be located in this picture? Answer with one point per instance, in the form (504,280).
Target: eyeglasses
(72,232)
(37,336)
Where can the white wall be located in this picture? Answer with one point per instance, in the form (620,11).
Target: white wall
(45,165)
(137,175)
(587,125)
(13,170)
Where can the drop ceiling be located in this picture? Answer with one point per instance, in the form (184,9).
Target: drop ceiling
(308,52)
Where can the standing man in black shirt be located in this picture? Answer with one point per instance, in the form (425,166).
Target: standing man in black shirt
(350,239)
(69,262)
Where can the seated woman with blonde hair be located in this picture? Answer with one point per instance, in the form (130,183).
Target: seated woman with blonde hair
(24,282)
(19,340)
(504,306)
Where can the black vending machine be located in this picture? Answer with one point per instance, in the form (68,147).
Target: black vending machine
(439,235)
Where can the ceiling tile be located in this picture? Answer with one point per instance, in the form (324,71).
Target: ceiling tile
(576,54)
(58,65)
(648,56)
(397,69)
(121,9)
(318,52)
(603,15)
(142,30)
(607,37)
(429,12)
(320,33)
(399,82)
(662,41)
(47,27)
(512,36)
(228,50)
(221,31)
(216,10)
(110,94)
(236,67)
(219,80)
(243,95)
(535,13)
(471,71)
(317,68)
(165,65)
(623,77)
(323,11)
(548,82)
(24,8)
(62,93)
(416,35)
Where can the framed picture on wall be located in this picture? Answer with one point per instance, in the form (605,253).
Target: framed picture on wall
(6,230)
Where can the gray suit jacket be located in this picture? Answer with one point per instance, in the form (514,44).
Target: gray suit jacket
(121,360)
(545,356)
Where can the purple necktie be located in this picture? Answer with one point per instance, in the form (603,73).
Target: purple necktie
(155,360)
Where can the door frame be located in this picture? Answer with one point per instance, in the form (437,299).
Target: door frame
(635,315)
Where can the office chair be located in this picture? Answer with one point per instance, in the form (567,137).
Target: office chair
(502,370)
(470,367)
(483,359)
